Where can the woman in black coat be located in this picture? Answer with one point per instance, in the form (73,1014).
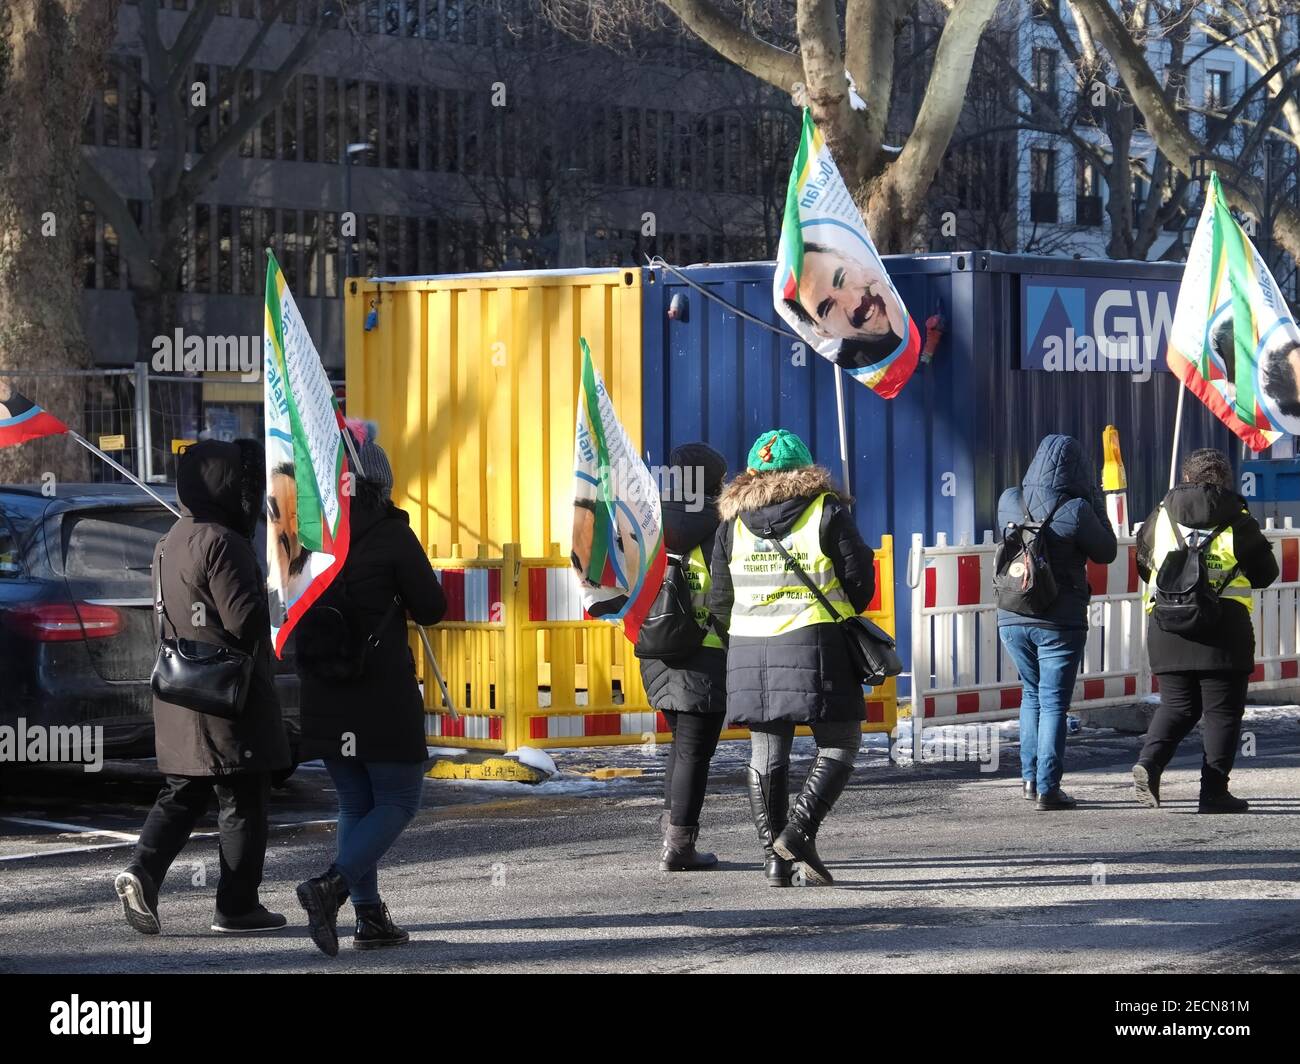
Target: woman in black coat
(213,592)
(369,730)
(690,692)
(787,662)
(1203,676)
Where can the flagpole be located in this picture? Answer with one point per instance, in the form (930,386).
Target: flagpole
(1178,426)
(437,672)
(121,469)
(844,436)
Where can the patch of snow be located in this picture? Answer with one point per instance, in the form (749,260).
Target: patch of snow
(537,759)
(855,101)
(445,751)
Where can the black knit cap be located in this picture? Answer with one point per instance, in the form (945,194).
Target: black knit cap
(704,457)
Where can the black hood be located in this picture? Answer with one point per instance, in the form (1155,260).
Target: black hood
(223,482)
(1203,506)
(685,529)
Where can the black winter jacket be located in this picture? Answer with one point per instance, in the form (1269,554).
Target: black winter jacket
(698,683)
(381,711)
(804,676)
(208,562)
(1080,530)
(1232,647)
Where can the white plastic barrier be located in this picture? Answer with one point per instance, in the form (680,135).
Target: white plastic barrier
(961,673)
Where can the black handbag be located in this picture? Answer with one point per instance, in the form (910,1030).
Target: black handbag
(871,649)
(202,677)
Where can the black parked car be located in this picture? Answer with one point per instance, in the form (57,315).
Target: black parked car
(77,630)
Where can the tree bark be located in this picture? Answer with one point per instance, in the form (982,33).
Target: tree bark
(52,56)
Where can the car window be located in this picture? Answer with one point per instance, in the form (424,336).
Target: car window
(108,543)
(11,559)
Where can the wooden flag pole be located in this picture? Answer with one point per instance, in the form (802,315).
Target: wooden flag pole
(844,435)
(1178,427)
(122,469)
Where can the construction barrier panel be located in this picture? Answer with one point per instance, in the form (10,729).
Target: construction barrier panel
(473,380)
(961,673)
(524,667)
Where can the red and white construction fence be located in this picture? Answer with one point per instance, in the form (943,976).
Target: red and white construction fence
(960,671)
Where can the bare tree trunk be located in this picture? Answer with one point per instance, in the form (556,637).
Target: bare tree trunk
(52,55)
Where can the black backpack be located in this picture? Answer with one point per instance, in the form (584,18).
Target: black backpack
(331,643)
(670,629)
(1023,581)
(1186,602)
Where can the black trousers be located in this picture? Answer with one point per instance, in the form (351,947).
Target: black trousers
(1218,701)
(182,802)
(695,738)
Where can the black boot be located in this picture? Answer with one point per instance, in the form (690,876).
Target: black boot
(798,842)
(680,854)
(769,799)
(375,928)
(321,898)
(1222,803)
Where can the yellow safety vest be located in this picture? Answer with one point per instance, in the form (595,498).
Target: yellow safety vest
(695,567)
(770,599)
(1219,560)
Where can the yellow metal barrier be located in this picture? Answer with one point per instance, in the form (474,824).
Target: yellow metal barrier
(526,669)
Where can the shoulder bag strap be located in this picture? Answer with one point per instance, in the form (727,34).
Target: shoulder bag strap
(159,606)
(799,572)
(373,638)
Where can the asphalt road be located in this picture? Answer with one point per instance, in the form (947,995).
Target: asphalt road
(941,868)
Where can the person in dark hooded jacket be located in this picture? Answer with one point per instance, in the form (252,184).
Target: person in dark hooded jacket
(787,661)
(1203,676)
(213,592)
(1048,647)
(369,729)
(690,692)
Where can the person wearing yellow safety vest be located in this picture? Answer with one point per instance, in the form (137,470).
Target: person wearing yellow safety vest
(1203,677)
(787,661)
(690,692)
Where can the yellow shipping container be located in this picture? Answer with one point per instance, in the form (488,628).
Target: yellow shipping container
(472,381)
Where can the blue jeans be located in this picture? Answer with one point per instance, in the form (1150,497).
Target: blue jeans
(1048,662)
(377,799)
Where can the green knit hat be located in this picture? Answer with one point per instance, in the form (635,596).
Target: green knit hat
(778,449)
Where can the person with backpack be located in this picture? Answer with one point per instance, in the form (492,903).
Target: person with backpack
(686,679)
(362,711)
(788,661)
(1053,525)
(209,589)
(1200,553)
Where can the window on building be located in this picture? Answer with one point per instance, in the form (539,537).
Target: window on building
(225,250)
(290,249)
(1044,75)
(369,250)
(247,90)
(1042,185)
(201,246)
(310,86)
(247,251)
(413,128)
(1087,193)
(329,117)
(392,127)
(451,20)
(330,236)
(370,125)
(289,122)
(1218,100)
(268,123)
(449,153)
(86,219)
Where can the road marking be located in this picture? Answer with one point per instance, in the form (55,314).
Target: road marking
(126,838)
(77,829)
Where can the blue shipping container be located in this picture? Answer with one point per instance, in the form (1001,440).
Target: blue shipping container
(1013,366)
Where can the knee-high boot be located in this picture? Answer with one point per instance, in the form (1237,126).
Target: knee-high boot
(769,799)
(798,841)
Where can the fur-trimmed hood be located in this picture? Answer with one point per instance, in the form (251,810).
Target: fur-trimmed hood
(753,491)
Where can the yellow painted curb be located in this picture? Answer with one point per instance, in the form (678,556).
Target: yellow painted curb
(613,773)
(491,767)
